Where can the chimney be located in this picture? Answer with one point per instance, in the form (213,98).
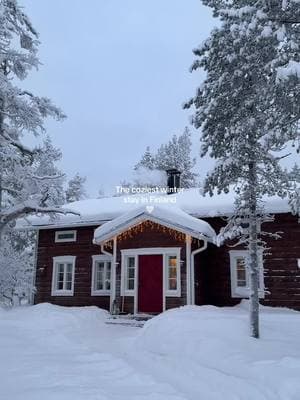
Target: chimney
(173,182)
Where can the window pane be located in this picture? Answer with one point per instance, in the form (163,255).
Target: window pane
(130,284)
(130,273)
(60,277)
(131,262)
(108,274)
(69,276)
(99,278)
(172,261)
(62,236)
(60,285)
(172,273)
(69,285)
(61,268)
(172,284)
(69,268)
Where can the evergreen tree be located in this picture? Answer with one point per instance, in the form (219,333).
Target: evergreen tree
(249,108)
(147,160)
(52,184)
(76,190)
(174,154)
(22,191)
(177,154)
(28,177)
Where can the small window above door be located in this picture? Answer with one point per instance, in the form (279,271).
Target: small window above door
(65,236)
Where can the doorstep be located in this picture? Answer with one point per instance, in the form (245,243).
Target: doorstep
(134,320)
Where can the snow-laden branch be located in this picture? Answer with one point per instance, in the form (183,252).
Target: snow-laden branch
(24,149)
(29,207)
(47,177)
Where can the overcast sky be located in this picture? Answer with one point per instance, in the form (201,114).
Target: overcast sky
(120,71)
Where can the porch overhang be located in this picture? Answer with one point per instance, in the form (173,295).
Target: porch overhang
(170,217)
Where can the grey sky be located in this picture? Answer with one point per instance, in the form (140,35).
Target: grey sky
(120,71)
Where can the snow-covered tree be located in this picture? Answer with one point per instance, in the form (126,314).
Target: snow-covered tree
(294,177)
(248,108)
(147,160)
(174,154)
(76,190)
(177,154)
(52,184)
(22,190)
(16,267)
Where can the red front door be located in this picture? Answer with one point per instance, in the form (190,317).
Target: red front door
(150,292)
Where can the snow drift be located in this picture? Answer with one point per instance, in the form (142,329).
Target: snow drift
(212,346)
(191,353)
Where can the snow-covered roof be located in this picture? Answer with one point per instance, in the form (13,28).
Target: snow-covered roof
(171,217)
(98,211)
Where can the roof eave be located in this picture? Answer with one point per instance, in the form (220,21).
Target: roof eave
(141,218)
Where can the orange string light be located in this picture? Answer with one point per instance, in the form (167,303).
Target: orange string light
(152,226)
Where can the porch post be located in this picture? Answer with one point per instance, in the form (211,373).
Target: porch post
(188,268)
(113,275)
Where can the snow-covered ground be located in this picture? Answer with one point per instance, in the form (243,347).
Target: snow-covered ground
(196,353)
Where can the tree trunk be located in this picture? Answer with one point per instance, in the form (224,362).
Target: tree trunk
(253,256)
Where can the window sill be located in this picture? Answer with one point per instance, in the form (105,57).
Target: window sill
(62,293)
(175,293)
(100,293)
(128,293)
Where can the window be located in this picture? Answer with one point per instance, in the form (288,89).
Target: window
(130,273)
(63,276)
(172,275)
(101,276)
(240,276)
(65,236)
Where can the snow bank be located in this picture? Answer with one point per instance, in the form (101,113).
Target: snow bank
(212,345)
(192,353)
(60,353)
(54,325)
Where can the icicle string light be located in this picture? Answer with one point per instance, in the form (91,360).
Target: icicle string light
(150,226)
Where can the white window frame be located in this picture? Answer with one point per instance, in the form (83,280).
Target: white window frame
(105,259)
(124,290)
(62,260)
(58,240)
(243,292)
(172,292)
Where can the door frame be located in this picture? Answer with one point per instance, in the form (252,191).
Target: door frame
(164,251)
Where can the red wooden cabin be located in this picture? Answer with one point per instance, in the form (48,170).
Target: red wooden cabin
(158,254)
